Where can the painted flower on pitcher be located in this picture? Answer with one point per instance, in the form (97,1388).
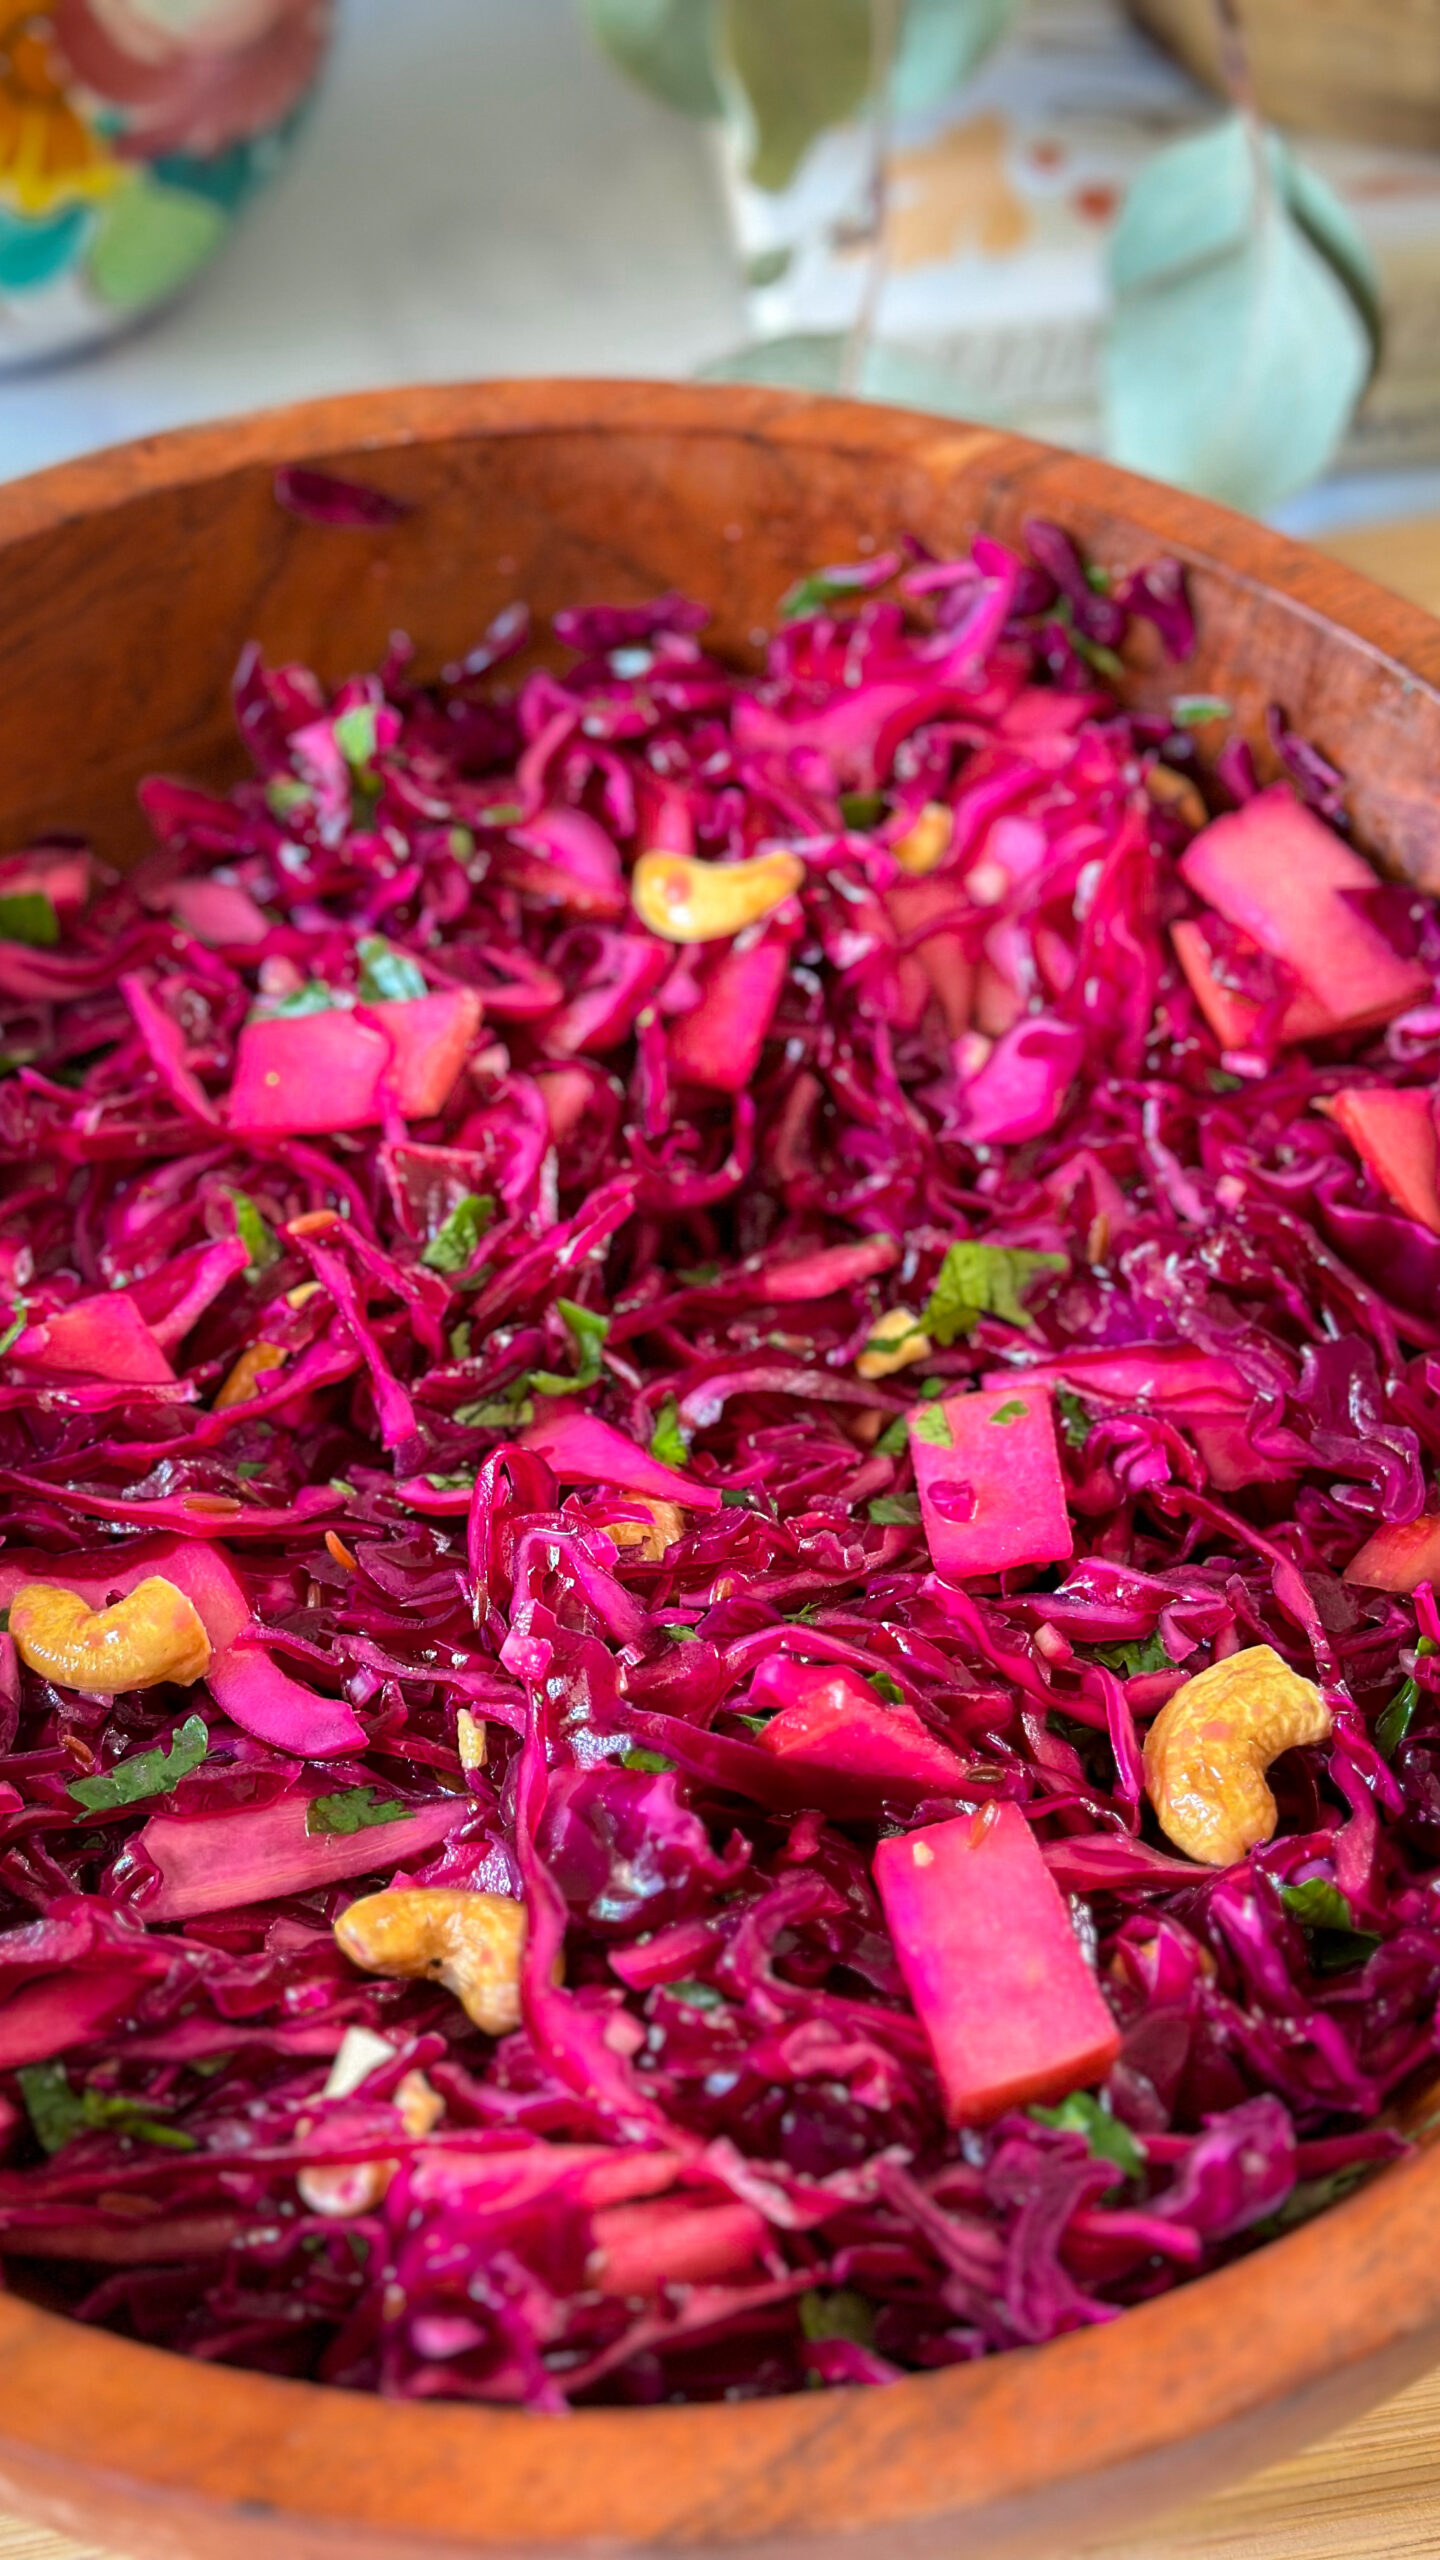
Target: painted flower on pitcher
(194,76)
(50,157)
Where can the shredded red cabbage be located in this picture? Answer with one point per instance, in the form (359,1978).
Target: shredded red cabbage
(524,1339)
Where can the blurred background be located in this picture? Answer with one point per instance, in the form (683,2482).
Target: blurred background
(1201,235)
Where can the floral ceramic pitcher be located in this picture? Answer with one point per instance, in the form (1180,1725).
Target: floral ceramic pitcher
(131,133)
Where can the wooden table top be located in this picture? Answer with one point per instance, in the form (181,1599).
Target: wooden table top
(1372,2492)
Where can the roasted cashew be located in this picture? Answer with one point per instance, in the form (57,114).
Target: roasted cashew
(928,841)
(154,1634)
(244,1379)
(654,1537)
(472,1942)
(899,1339)
(342,2188)
(1208,1749)
(470,1740)
(683,900)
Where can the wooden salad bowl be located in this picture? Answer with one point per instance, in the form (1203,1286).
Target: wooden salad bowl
(131,582)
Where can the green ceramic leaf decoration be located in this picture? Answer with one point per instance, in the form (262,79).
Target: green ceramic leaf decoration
(667,45)
(149,239)
(794,68)
(1236,350)
(943,41)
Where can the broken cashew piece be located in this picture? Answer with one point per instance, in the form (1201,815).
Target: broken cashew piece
(655,1537)
(684,900)
(472,1942)
(244,1379)
(154,1634)
(899,1339)
(340,2189)
(1208,1749)
(924,845)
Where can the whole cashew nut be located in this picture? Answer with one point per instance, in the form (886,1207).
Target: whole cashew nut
(154,1634)
(1208,1749)
(653,1537)
(683,900)
(472,1942)
(928,841)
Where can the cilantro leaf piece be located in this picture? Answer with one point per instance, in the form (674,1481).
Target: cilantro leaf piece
(587,1331)
(1075,1422)
(1196,710)
(895,1511)
(357,735)
(56,2113)
(313,997)
(13,1331)
(1014,1411)
(696,1995)
(1324,1913)
(145,1773)
(894,1440)
(930,1423)
(862,809)
(886,1688)
(1396,1720)
(451,1247)
(1135,1655)
(667,1440)
(255,1233)
(637,1757)
(813,594)
(983,1280)
(837,2315)
(353,1809)
(1108,2138)
(388,976)
(29,917)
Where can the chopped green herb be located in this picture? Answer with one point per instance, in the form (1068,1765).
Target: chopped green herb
(1324,1913)
(387,976)
(13,1331)
(58,2113)
(342,1484)
(453,1244)
(246,1468)
(313,997)
(1075,1422)
(667,1440)
(286,793)
(813,594)
(894,1440)
(513,1415)
(862,809)
(460,1481)
(680,1635)
(639,1758)
(837,2315)
(930,1423)
(983,1279)
(354,1809)
(1096,655)
(1108,2138)
(1220,1080)
(886,1688)
(255,1233)
(699,1275)
(1309,2197)
(1135,1655)
(357,735)
(1197,710)
(696,1995)
(1395,1722)
(29,917)
(459,1342)
(1014,1411)
(587,1331)
(1097,579)
(895,1510)
(145,1773)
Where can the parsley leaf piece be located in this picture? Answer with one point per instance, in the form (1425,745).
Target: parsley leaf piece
(886,1688)
(1014,1411)
(862,809)
(1108,2138)
(354,1809)
(145,1773)
(983,1280)
(388,976)
(29,917)
(357,735)
(930,1423)
(637,1757)
(895,1511)
(1196,710)
(1324,1913)
(13,1331)
(667,1440)
(813,594)
(894,1440)
(696,1995)
(453,1244)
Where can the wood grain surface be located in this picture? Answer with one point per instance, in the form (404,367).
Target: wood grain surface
(1369,69)
(1370,2493)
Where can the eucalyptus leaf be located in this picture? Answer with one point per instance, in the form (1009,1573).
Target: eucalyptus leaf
(1237,349)
(793,68)
(942,42)
(666,45)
